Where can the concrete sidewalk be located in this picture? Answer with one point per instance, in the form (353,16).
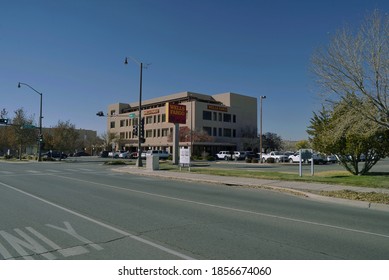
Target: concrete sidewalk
(303,188)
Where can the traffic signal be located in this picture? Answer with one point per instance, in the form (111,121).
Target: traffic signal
(4,121)
(135,130)
(142,128)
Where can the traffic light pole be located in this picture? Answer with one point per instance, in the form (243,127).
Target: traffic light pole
(40,139)
(139,160)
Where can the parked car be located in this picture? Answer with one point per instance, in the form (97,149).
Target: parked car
(160,153)
(104,154)
(226,155)
(242,155)
(54,155)
(331,158)
(81,154)
(277,156)
(115,154)
(318,159)
(125,154)
(294,158)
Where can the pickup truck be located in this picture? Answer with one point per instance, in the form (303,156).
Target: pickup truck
(278,157)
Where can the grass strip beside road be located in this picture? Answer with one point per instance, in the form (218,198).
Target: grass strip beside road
(379,180)
(373,180)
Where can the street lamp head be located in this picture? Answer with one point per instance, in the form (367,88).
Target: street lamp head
(19,85)
(100,114)
(263,97)
(125,61)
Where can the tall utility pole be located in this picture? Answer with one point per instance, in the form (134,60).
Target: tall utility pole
(140,136)
(40,139)
(260,129)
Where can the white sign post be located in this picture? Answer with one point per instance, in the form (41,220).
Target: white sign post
(185,157)
(305,155)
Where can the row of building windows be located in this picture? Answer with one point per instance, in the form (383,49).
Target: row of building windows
(161,118)
(220,132)
(148,133)
(154,133)
(221,117)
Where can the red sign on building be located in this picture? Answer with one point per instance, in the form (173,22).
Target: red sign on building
(175,113)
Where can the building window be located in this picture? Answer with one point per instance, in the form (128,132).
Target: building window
(227,132)
(220,117)
(227,118)
(165,131)
(208,130)
(214,131)
(234,133)
(122,135)
(112,124)
(149,120)
(220,132)
(149,133)
(234,118)
(122,123)
(214,116)
(207,115)
(163,117)
(113,112)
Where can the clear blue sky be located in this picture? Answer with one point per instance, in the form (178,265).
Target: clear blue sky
(73,50)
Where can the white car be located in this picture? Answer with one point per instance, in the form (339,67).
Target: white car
(226,155)
(125,154)
(115,154)
(294,158)
(161,154)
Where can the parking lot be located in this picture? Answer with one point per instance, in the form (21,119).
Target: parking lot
(381,166)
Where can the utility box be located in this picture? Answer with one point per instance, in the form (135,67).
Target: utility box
(152,162)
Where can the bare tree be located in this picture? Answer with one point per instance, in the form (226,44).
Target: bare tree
(355,65)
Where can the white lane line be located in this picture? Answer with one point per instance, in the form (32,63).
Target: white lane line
(137,238)
(232,209)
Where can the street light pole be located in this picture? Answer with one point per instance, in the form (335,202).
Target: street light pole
(260,129)
(139,160)
(40,119)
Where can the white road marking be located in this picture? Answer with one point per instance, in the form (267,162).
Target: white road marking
(233,209)
(137,238)
(68,252)
(28,243)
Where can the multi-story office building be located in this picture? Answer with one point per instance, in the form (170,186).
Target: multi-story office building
(213,122)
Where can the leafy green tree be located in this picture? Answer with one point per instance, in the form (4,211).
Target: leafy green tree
(349,135)
(303,144)
(4,139)
(19,135)
(63,137)
(271,142)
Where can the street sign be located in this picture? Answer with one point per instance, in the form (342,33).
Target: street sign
(132,115)
(28,126)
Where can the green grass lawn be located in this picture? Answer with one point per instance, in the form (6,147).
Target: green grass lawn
(372,180)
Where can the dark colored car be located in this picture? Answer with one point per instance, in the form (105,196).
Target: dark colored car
(81,154)
(104,154)
(54,155)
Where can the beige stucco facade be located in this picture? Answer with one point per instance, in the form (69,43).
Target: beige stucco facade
(213,122)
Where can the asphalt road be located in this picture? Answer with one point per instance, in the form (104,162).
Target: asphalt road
(83,210)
